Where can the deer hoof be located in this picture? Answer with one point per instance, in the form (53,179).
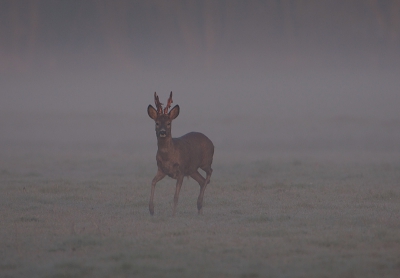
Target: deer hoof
(199,206)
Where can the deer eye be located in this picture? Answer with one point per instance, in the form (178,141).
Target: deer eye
(157,123)
(168,124)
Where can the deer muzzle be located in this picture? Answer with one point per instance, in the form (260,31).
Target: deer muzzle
(162,133)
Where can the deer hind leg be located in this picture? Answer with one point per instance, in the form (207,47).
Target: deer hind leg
(203,189)
(159,176)
(203,184)
(177,190)
(208,172)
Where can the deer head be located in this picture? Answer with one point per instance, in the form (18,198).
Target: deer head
(163,118)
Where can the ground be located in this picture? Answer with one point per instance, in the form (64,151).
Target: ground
(78,213)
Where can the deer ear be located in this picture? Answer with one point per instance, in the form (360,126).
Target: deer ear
(174,112)
(152,112)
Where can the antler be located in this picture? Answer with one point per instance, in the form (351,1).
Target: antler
(158,104)
(168,103)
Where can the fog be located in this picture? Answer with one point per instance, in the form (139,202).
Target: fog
(258,77)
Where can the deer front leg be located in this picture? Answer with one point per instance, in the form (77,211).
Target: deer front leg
(159,176)
(179,182)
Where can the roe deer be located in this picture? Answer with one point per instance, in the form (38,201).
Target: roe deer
(179,157)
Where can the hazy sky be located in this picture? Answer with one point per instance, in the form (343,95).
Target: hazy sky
(241,64)
(330,56)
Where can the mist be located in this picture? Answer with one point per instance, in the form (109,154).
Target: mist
(259,78)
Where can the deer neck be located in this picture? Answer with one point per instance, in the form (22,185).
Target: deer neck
(165,144)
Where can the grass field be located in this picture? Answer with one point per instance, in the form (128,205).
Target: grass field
(72,213)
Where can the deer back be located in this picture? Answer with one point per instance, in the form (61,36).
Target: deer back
(195,151)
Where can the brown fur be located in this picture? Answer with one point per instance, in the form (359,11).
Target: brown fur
(180,157)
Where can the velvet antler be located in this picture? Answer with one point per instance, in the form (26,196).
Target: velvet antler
(158,104)
(168,104)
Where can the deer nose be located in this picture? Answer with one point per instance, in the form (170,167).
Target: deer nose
(163,133)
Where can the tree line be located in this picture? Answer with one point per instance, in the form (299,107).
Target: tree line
(127,28)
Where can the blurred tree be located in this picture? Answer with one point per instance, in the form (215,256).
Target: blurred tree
(125,33)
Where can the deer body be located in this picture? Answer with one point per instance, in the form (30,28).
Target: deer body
(179,157)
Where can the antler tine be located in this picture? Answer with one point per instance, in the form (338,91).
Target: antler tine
(158,103)
(168,103)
